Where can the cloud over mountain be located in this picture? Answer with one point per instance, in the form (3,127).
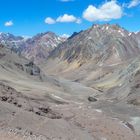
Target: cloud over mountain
(106,12)
(66,18)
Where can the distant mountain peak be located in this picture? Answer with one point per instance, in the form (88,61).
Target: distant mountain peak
(103,43)
(39,46)
(109,29)
(9,37)
(115,26)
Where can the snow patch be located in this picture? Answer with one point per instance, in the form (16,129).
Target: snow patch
(129,34)
(119,31)
(124,124)
(57,97)
(107,28)
(98,110)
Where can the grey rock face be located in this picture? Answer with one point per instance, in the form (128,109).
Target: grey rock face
(37,47)
(101,43)
(32,69)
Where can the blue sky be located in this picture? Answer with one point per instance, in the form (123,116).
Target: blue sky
(28,17)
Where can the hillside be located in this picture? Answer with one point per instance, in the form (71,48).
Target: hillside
(36,48)
(105,58)
(39,46)
(99,47)
(86,87)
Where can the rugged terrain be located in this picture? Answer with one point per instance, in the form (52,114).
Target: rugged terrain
(39,47)
(36,48)
(86,88)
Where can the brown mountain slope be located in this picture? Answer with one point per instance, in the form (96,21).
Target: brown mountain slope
(39,47)
(100,45)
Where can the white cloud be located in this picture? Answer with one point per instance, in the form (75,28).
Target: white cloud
(9,23)
(133,3)
(64,18)
(50,20)
(79,21)
(107,11)
(68,18)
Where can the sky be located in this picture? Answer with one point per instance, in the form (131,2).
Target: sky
(29,17)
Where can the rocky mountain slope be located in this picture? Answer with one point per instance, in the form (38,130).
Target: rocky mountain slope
(102,57)
(105,58)
(94,51)
(39,47)
(36,48)
(11,41)
(88,87)
(137,35)
(102,43)
(27,95)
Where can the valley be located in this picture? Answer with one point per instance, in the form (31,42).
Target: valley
(85,87)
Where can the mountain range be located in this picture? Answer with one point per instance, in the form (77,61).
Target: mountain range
(84,87)
(41,45)
(36,48)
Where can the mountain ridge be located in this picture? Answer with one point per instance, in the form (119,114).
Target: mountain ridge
(87,83)
(36,47)
(95,38)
